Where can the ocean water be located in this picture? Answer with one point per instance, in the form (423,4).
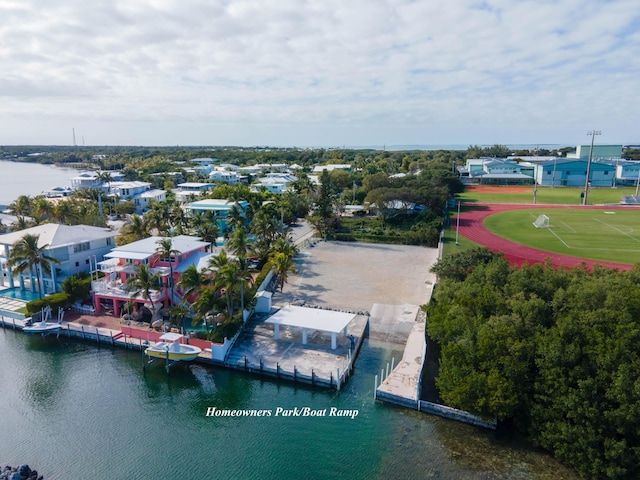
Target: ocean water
(18,178)
(76,410)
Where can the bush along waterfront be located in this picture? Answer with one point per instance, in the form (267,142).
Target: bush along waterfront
(554,352)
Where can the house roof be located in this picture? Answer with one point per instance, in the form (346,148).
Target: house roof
(146,247)
(214,204)
(510,176)
(56,235)
(152,193)
(200,260)
(132,184)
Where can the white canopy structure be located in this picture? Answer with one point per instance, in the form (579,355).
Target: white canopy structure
(311,319)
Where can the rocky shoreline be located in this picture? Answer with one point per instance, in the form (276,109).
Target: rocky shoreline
(23,472)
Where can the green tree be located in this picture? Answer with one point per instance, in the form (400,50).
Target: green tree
(144,283)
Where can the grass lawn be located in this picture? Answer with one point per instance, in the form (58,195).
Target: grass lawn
(592,234)
(449,246)
(548,195)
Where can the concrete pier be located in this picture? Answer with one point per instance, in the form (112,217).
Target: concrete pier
(315,363)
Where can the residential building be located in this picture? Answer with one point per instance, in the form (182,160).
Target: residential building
(189,191)
(273,182)
(332,167)
(90,180)
(219,207)
(75,247)
(123,262)
(140,193)
(230,177)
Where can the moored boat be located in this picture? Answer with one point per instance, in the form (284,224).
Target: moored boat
(171,348)
(45,326)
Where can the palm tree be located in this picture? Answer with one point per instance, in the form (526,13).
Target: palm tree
(237,243)
(104,177)
(142,283)
(226,278)
(137,228)
(27,255)
(235,218)
(63,212)
(284,245)
(281,259)
(166,251)
(209,232)
(43,208)
(192,281)
(178,219)
(21,206)
(159,216)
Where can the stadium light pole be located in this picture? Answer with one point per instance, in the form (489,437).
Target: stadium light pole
(593,134)
(458,224)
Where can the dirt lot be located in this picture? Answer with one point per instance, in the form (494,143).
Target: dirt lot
(354,276)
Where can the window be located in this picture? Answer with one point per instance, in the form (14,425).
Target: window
(569,172)
(86,261)
(77,264)
(606,172)
(81,247)
(109,241)
(548,172)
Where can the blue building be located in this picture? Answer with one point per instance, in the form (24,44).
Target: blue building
(573,173)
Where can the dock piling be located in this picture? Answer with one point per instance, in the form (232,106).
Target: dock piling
(375,388)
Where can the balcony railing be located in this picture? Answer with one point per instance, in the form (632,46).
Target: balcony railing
(116,289)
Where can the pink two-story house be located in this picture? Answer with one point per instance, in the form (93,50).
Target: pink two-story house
(110,292)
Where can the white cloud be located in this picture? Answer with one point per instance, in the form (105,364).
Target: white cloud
(289,68)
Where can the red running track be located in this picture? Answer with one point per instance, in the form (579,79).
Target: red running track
(471,227)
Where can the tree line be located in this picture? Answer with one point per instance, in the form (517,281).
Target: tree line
(554,352)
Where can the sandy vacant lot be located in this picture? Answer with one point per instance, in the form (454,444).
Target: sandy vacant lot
(354,276)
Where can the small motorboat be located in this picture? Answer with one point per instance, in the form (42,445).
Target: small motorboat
(170,348)
(45,326)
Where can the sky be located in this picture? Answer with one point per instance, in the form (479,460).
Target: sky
(328,73)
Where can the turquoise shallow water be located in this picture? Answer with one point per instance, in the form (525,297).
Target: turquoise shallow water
(74,410)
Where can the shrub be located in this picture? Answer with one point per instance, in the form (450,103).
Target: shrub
(77,287)
(55,301)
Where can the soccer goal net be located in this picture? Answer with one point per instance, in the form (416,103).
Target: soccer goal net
(542,222)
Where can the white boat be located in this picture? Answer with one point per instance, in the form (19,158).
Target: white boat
(171,348)
(45,326)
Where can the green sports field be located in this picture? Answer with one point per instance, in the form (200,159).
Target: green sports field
(606,235)
(545,195)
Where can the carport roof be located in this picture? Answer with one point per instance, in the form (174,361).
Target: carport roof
(312,318)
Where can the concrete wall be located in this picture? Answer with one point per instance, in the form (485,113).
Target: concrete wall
(455,414)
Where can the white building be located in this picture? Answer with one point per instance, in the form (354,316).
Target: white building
(75,247)
(273,182)
(140,193)
(190,190)
(90,180)
(330,168)
(229,177)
